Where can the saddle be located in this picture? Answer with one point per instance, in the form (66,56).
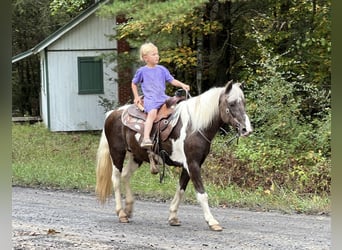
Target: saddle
(134,118)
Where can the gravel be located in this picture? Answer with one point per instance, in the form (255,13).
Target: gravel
(50,219)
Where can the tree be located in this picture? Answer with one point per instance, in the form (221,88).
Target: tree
(299,32)
(27,16)
(177,27)
(31,23)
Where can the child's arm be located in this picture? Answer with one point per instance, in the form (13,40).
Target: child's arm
(137,100)
(177,83)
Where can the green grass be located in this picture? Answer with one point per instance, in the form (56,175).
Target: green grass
(67,161)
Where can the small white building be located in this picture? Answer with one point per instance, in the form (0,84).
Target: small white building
(73,74)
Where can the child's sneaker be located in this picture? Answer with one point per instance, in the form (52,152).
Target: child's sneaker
(146,143)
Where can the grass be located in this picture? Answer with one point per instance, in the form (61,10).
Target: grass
(67,161)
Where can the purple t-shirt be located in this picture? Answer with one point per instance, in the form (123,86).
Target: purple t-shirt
(153,85)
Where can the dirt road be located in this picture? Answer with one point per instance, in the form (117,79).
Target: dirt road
(44,219)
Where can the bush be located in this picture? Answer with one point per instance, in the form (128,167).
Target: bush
(287,148)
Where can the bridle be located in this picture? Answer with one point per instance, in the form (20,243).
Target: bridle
(236,123)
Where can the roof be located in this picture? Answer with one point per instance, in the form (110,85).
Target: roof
(59,33)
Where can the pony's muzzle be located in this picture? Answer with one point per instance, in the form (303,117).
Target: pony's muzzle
(245,132)
(247,128)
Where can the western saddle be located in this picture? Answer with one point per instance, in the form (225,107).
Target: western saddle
(134,118)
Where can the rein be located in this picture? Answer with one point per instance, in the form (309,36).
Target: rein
(236,136)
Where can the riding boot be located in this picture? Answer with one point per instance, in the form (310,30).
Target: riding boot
(153,167)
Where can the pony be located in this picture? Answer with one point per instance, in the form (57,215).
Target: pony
(196,121)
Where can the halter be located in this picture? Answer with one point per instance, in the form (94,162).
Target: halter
(236,136)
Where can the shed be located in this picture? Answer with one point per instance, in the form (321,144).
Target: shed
(74,75)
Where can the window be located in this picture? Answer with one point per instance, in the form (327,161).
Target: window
(90,75)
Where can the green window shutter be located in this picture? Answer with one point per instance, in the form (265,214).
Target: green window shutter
(90,75)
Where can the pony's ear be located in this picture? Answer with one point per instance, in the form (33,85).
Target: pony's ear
(241,85)
(229,86)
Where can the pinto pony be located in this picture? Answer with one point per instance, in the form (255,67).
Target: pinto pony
(197,120)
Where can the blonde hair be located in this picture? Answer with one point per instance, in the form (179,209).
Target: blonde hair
(145,49)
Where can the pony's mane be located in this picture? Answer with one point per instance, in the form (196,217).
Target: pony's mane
(201,110)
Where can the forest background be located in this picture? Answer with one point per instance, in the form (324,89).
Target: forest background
(281,50)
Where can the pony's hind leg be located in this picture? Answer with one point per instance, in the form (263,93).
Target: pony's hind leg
(127,172)
(116,177)
(183,182)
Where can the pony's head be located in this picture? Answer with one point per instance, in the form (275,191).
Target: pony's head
(232,108)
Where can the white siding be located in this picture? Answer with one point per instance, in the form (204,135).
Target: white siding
(88,35)
(70,111)
(60,101)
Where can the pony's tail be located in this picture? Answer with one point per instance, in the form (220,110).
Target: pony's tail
(104,170)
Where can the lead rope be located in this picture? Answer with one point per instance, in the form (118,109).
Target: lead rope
(236,136)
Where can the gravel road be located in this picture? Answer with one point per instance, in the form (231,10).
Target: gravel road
(49,219)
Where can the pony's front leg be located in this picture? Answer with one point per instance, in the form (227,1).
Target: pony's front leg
(212,222)
(202,198)
(183,182)
(116,177)
(127,172)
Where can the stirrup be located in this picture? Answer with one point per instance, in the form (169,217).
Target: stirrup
(146,143)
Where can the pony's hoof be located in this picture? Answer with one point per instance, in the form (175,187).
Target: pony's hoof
(216,228)
(129,214)
(123,218)
(153,168)
(174,222)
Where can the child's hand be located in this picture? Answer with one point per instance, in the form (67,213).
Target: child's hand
(186,87)
(138,102)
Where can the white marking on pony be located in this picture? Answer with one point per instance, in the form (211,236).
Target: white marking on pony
(203,200)
(249,128)
(127,172)
(175,203)
(137,136)
(178,153)
(116,175)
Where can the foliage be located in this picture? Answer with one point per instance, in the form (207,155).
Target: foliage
(177,33)
(286,150)
(25,73)
(32,22)
(68,6)
(298,33)
(107,104)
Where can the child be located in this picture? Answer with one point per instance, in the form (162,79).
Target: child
(153,78)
